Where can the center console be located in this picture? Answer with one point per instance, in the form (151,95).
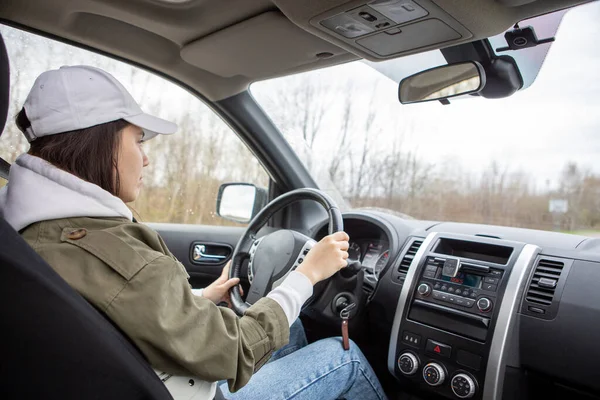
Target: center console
(455,313)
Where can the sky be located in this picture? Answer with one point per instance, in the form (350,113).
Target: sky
(537,130)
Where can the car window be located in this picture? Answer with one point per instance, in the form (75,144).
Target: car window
(529,160)
(186,169)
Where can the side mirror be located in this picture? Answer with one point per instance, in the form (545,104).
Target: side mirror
(442,82)
(240,202)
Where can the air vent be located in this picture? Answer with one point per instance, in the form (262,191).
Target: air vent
(544,282)
(408,257)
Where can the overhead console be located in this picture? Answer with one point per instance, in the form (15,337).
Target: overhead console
(456,309)
(389,28)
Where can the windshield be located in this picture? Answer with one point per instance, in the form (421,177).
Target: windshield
(529,59)
(527,161)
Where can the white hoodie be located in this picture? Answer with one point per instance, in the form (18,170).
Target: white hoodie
(38,191)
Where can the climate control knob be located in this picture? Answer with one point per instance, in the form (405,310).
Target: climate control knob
(484,304)
(463,386)
(408,363)
(424,289)
(434,374)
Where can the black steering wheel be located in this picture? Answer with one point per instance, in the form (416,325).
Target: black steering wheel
(273,256)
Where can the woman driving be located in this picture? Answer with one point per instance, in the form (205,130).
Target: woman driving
(67,197)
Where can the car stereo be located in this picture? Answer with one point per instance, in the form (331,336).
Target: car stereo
(450,311)
(459,285)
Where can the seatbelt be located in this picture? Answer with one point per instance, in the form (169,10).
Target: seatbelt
(4,169)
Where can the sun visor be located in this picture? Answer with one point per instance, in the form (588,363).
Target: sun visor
(258,47)
(514,3)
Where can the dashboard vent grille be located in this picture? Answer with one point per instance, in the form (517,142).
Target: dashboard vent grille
(544,282)
(408,257)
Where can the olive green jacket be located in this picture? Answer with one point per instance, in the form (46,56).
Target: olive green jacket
(125,270)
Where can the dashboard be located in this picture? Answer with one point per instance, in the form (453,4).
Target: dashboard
(457,310)
(373,255)
(372,242)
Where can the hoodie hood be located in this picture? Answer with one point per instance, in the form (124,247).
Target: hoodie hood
(39,191)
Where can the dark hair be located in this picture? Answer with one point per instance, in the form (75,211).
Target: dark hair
(90,153)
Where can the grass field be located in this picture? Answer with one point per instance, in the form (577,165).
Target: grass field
(589,233)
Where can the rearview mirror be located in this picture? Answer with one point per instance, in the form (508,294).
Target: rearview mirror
(240,202)
(442,82)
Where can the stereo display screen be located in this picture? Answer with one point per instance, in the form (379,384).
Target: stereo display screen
(463,278)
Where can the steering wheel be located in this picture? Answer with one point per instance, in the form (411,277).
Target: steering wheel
(272,257)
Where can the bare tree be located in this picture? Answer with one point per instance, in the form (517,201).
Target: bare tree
(344,142)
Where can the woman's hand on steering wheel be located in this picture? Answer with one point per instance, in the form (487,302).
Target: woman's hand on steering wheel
(218,291)
(272,256)
(326,257)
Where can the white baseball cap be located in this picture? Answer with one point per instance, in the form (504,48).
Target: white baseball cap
(78,97)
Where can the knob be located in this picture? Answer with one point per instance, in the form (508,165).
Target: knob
(408,363)
(484,304)
(434,374)
(424,289)
(463,386)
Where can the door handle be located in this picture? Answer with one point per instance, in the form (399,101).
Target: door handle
(200,253)
(210,253)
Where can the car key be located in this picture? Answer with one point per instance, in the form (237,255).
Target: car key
(344,315)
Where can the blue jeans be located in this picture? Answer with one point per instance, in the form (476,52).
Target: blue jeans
(322,370)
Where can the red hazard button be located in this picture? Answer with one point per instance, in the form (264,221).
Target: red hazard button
(438,348)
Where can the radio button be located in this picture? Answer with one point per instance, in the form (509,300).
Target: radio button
(424,289)
(484,304)
(490,287)
(493,281)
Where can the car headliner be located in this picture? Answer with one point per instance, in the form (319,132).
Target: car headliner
(219,47)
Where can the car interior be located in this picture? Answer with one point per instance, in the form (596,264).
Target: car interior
(444,309)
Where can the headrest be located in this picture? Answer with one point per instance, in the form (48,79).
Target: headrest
(4,84)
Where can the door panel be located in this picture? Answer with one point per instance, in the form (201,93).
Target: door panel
(217,240)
